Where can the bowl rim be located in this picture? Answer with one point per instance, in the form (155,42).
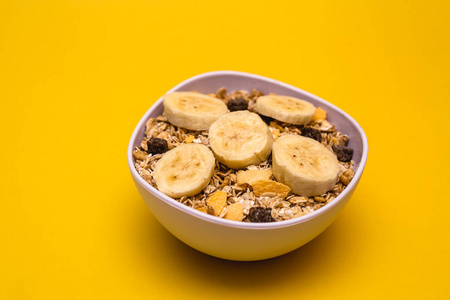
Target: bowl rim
(247,225)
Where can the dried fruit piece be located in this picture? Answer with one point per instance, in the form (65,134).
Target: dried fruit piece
(202,209)
(343,153)
(260,215)
(235,212)
(275,134)
(237,104)
(217,200)
(312,133)
(269,186)
(157,146)
(275,125)
(266,119)
(251,176)
(347,176)
(320,114)
(189,139)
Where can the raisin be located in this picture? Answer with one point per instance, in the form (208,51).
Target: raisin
(237,104)
(157,146)
(343,153)
(260,215)
(312,133)
(266,119)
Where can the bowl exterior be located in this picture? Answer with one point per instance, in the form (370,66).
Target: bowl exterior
(236,240)
(235,243)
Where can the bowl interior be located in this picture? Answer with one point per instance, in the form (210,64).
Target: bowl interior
(211,82)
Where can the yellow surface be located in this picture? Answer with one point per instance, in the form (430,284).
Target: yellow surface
(76,76)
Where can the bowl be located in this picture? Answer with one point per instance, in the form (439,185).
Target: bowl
(244,241)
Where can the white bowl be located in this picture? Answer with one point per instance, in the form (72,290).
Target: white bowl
(238,240)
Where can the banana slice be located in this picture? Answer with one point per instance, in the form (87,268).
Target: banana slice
(286,109)
(240,139)
(304,165)
(192,111)
(185,170)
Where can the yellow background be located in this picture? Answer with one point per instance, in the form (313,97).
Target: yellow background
(76,76)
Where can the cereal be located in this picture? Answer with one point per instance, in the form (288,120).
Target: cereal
(261,187)
(139,154)
(240,188)
(221,93)
(250,176)
(217,201)
(347,176)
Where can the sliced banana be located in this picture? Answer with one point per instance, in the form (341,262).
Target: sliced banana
(286,109)
(304,165)
(185,170)
(240,139)
(191,110)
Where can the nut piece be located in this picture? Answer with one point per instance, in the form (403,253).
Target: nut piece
(235,212)
(269,186)
(320,114)
(347,176)
(217,200)
(342,140)
(251,176)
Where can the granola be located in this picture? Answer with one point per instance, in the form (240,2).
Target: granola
(229,194)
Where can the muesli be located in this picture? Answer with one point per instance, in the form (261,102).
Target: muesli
(250,193)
